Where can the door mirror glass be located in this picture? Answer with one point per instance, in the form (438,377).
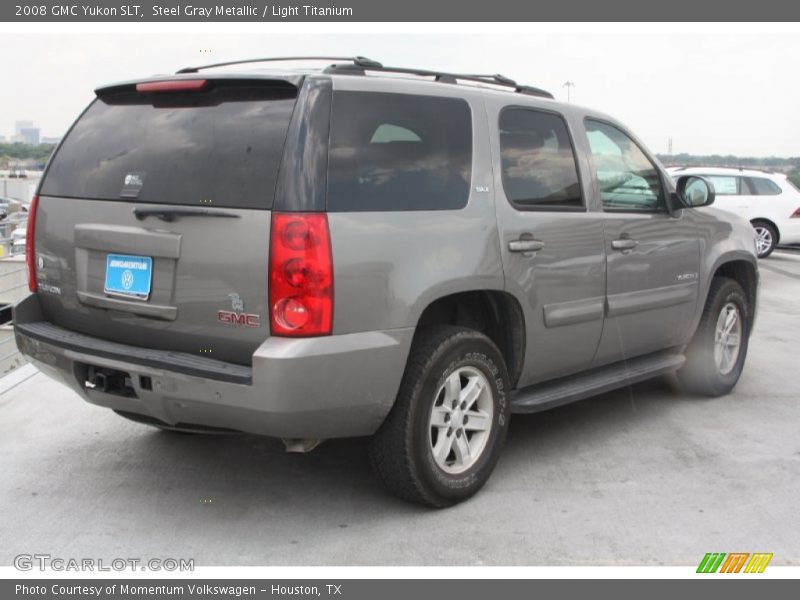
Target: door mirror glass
(695,191)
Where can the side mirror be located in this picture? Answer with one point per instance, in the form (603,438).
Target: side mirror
(694,191)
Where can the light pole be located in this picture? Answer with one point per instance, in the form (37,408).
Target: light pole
(568,85)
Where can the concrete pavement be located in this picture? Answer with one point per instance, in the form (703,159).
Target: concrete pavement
(638,476)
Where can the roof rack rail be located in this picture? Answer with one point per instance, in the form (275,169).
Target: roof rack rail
(357,61)
(443,77)
(358,65)
(764,170)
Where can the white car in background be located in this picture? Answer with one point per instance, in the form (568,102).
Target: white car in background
(18,239)
(768,200)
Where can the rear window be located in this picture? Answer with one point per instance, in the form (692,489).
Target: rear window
(219,147)
(398,152)
(763,187)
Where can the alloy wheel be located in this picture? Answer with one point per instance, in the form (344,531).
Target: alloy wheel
(461,420)
(727,338)
(763,240)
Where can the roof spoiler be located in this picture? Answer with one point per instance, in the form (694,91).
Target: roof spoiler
(172,83)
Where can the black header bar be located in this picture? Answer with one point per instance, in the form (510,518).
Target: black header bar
(254,11)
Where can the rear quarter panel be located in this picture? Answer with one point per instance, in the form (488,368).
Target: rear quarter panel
(389,266)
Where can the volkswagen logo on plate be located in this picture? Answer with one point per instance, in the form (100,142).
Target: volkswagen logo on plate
(127,279)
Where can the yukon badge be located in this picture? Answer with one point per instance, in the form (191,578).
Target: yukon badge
(237,316)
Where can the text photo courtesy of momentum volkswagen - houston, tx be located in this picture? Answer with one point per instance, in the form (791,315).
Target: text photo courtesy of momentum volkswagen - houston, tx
(313,299)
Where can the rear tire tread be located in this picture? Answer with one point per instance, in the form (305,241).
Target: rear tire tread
(392,446)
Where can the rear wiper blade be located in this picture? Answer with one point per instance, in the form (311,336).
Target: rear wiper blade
(170,214)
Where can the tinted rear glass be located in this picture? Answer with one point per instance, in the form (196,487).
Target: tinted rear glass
(399,152)
(763,187)
(220,147)
(539,165)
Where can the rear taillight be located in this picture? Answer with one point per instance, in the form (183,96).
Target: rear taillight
(300,275)
(30,245)
(796,214)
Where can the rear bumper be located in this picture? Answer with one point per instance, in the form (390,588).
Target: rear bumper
(790,232)
(327,387)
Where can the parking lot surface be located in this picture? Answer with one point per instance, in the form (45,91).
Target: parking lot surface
(639,476)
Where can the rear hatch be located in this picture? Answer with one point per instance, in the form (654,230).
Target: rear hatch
(154,216)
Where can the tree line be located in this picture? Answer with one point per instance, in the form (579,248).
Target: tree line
(13,152)
(790,165)
(729,160)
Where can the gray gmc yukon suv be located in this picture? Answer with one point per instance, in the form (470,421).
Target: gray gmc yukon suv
(362,250)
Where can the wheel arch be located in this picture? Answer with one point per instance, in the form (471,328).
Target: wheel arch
(769,222)
(745,273)
(495,313)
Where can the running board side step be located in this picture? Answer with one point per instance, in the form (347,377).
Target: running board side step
(544,396)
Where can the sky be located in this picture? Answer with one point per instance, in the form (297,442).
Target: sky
(712,93)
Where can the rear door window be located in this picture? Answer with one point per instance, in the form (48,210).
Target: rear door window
(398,152)
(218,147)
(725,185)
(539,166)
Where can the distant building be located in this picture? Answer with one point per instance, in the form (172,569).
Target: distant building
(25,132)
(20,125)
(29,135)
(51,140)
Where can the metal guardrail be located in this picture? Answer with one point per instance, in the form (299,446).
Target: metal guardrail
(15,353)
(14,287)
(8,343)
(7,356)
(14,271)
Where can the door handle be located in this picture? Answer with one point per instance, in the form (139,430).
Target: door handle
(624,244)
(525,245)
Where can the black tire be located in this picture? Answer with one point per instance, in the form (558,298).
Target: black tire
(401,450)
(701,373)
(769,232)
